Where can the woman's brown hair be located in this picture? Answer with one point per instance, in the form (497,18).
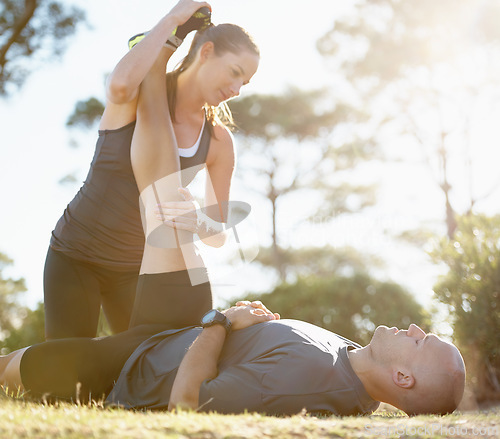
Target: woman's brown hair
(226,38)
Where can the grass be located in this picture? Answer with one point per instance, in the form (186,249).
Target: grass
(20,419)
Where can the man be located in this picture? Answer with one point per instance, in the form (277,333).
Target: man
(280,367)
(246,358)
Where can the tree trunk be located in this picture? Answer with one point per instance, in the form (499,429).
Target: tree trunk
(17,28)
(277,253)
(451,222)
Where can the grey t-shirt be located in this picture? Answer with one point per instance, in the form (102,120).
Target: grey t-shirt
(277,367)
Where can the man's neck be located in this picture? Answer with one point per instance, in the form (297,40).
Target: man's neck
(367,371)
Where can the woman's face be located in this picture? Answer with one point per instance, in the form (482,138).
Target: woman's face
(223,76)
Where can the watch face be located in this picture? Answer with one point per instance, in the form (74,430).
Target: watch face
(209,316)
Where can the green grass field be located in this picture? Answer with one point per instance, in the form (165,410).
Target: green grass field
(19,419)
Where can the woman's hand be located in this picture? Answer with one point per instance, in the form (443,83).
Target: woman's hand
(180,215)
(187,215)
(184,9)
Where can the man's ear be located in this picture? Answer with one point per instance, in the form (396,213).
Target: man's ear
(403,378)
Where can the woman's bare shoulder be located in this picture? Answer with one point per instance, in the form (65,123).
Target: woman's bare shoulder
(221,147)
(223,137)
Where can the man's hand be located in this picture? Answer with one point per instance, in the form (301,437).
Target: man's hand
(245,314)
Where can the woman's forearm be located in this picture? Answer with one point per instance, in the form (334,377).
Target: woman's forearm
(211,232)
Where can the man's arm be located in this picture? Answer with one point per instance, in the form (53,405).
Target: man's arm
(200,362)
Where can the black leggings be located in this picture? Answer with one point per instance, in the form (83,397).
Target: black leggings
(79,369)
(86,368)
(170,299)
(74,292)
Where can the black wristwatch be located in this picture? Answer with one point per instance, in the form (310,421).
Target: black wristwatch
(214,317)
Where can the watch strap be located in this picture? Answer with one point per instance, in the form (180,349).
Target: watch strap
(218,319)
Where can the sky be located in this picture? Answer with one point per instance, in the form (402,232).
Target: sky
(37,150)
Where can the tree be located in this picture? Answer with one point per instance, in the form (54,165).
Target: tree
(291,145)
(31,32)
(350,306)
(471,290)
(10,289)
(21,326)
(324,261)
(30,331)
(430,72)
(86,113)
(12,315)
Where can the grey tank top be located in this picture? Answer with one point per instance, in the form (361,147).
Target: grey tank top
(102,224)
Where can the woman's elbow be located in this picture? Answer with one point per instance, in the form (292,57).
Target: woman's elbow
(216,241)
(119,92)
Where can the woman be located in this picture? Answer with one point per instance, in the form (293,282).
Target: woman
(84,368)
(97,246)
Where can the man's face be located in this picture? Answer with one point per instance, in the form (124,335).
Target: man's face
(411,348)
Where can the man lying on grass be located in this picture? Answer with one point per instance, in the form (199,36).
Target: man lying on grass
(246,358)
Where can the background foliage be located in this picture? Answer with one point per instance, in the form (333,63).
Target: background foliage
(349,306)
(471,290)
(31,32)
(19,325)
